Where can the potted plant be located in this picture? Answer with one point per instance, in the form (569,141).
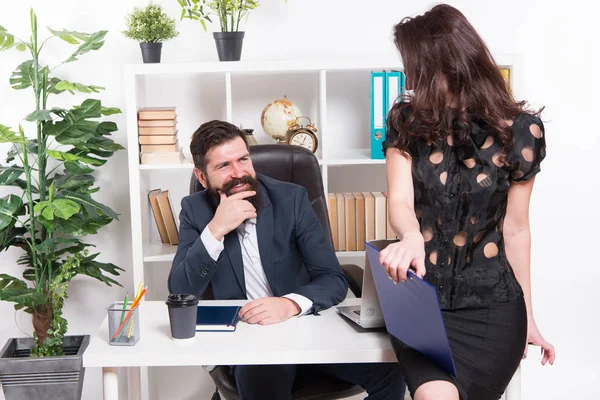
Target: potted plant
(50,167)
(229,13)
(150,26)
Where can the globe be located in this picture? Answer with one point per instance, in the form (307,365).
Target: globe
(278,116)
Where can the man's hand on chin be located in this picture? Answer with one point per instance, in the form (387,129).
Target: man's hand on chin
(269,310)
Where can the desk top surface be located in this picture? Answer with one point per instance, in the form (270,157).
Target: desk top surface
(327,338)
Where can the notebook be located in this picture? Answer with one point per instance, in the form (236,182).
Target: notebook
(217,318)
(411,311)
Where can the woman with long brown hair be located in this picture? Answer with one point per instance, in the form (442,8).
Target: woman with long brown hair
(461,156)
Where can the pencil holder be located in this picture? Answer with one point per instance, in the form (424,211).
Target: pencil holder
(129,334)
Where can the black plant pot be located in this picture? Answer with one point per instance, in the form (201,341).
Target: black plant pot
(151,52)
(229,45)
(37,378)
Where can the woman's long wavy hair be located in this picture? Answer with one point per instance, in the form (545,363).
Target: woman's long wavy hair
(454,79)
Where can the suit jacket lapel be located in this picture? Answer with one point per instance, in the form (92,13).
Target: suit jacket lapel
(264,232)
(234,253)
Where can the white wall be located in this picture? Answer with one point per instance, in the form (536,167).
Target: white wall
(559,50)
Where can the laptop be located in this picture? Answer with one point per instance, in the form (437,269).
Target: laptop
(368,314)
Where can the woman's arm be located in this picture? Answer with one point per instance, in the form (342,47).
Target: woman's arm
(401,194)
(410,251)
(517,244)
(517,237)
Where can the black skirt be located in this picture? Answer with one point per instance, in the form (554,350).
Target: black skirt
(487,344)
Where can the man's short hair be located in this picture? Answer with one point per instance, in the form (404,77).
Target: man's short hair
(210,135)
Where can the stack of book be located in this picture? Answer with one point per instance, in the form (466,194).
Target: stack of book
(157,129)
(356,218)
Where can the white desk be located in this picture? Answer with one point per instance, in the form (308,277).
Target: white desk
(327,338)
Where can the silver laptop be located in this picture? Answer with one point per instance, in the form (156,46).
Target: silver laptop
(368,314)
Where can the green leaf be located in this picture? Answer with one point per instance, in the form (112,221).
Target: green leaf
(79,87)
(106,111)
(91,206)
(8,136)
(21,47)
(10,282)
(39,115)
(51,245)
(7,40)
(62,156)
(107,127)
(73,182)
(60,208)
(75,127)
(9,175)
(24,76)
(71,37)
(14,151)
(77,168)
(94,42)
(9,207)
(98,270)
(27,297)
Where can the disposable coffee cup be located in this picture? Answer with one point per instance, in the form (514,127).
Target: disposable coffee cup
(182,315)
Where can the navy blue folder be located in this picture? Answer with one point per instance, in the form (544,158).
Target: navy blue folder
(217,318)
(411,311)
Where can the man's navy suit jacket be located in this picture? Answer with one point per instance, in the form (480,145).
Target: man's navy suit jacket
(295,254)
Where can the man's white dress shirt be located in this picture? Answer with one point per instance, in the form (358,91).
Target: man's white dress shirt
(257,285)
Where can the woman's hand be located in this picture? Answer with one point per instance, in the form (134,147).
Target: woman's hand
(535,338)
(398,257)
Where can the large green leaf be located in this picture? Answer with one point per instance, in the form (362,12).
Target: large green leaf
(106,128)
(14,236)
(71,37)
(39,115)
(9,175)
(24,76)
(91,206)
(9,136)
(9,207)
(75,127)
(94,42)
(77,168)
(110,111)
(73,182)
(52,245)
(60,208)
(8,40)
(68,156)
(26,297)
(97,270)
(73,87)
(31,145)
(16,291)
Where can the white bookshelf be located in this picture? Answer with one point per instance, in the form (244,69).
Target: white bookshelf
(335,93)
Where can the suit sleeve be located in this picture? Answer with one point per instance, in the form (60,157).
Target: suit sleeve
(327,286)
(193,266)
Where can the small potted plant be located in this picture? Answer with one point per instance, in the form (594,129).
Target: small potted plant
(150,26)
(229,13)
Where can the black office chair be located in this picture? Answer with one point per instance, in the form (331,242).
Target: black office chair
(297,165)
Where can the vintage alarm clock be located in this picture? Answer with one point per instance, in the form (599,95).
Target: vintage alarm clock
(304,136)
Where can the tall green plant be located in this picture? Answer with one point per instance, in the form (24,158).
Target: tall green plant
(228,12)
(52,169)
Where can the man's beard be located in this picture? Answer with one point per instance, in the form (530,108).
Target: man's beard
(227,188)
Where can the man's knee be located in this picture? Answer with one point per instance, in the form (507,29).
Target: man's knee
(265,381)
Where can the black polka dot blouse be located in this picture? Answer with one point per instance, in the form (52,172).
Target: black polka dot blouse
(460,195)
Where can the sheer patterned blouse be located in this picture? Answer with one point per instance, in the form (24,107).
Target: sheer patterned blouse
(460,197)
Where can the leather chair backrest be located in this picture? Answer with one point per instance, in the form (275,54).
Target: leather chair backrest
(289,163)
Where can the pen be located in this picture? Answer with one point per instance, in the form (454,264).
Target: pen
(135,304)
(124,307)
(130,329)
